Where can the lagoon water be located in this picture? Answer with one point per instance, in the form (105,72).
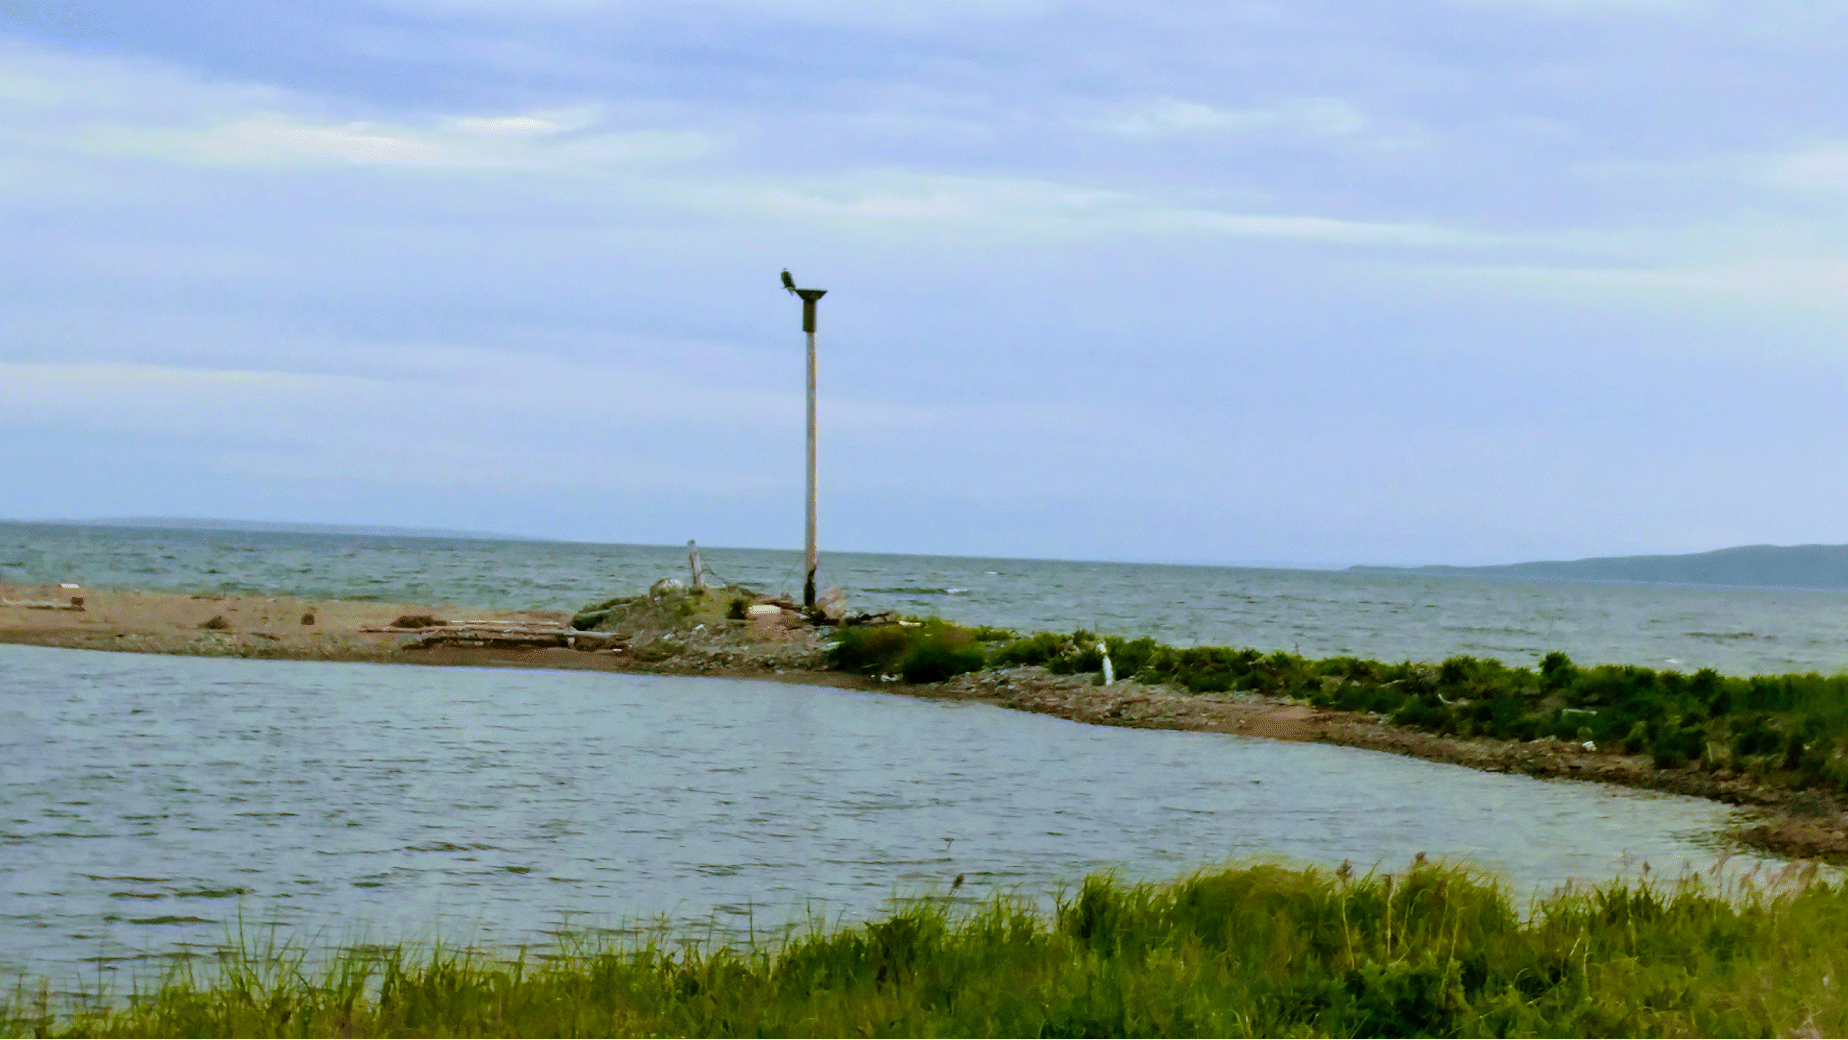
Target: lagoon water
(146,801)
(150,800)
(1319,613)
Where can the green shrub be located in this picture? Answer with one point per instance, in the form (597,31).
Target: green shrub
(934,662)
(1036,649)
(924,653)
(870,650)
(1678,746)
(1557,671)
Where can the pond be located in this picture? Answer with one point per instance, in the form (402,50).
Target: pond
(151,801)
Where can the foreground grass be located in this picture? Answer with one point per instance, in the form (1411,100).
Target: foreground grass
(1255,950)
(1782,730)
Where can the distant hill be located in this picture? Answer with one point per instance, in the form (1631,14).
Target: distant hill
(278,527)
(1764,566)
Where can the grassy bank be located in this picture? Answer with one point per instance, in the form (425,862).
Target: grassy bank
(1784,730)
(1257,950)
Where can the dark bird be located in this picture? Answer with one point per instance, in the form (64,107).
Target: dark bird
(789,282)
(956,884)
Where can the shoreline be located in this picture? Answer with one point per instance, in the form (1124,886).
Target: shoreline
(780,647)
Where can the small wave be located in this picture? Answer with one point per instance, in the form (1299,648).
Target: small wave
(910,590)
(1724,635)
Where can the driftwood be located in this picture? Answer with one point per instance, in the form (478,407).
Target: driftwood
(501,633)
(76,603)
(569,638)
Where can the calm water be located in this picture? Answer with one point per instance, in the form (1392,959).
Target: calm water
(1320,613)
(146,800)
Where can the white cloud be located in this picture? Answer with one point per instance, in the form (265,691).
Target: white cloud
(1822,167)
(1313,229)
(56,105)
(1023,206)
(355,142)
(1326,117)
(528,125)
(76,377)
(1810,291)
(504,141)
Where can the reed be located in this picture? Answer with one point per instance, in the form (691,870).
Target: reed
(1253,949)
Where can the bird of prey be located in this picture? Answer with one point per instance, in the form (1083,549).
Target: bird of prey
(789,282)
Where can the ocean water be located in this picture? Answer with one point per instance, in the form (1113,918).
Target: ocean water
(1318,613)
(152,806)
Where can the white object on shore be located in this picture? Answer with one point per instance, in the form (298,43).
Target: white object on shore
(763,609)
(1109,669)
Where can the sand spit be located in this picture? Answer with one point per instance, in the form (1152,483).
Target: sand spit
(780,646)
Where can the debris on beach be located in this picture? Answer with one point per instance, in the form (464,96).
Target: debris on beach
(434,631)
(74,603)
(716,628)
(418,621)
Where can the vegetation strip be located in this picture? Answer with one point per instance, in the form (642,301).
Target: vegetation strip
(1785,731)
(1247,950)
(1778,741)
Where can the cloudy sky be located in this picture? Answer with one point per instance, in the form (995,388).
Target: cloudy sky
(1461,281)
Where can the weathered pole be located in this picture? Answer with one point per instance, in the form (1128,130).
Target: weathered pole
(811,557)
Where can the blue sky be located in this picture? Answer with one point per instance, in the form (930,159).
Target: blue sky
(1307,283)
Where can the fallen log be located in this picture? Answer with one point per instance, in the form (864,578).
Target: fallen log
(505,637)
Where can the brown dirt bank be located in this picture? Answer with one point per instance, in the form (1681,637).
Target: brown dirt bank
(779,647)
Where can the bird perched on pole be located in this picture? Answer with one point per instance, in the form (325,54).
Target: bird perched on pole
(789,282)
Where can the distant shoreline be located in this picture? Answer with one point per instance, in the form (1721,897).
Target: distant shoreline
(1476,574)
(1816,568)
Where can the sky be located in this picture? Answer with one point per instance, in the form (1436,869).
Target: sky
(1310,283)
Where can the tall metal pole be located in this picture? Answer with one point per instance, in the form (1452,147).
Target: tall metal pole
(811,556)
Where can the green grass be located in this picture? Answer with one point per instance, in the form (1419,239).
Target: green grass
(1248,950)
(920,652)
